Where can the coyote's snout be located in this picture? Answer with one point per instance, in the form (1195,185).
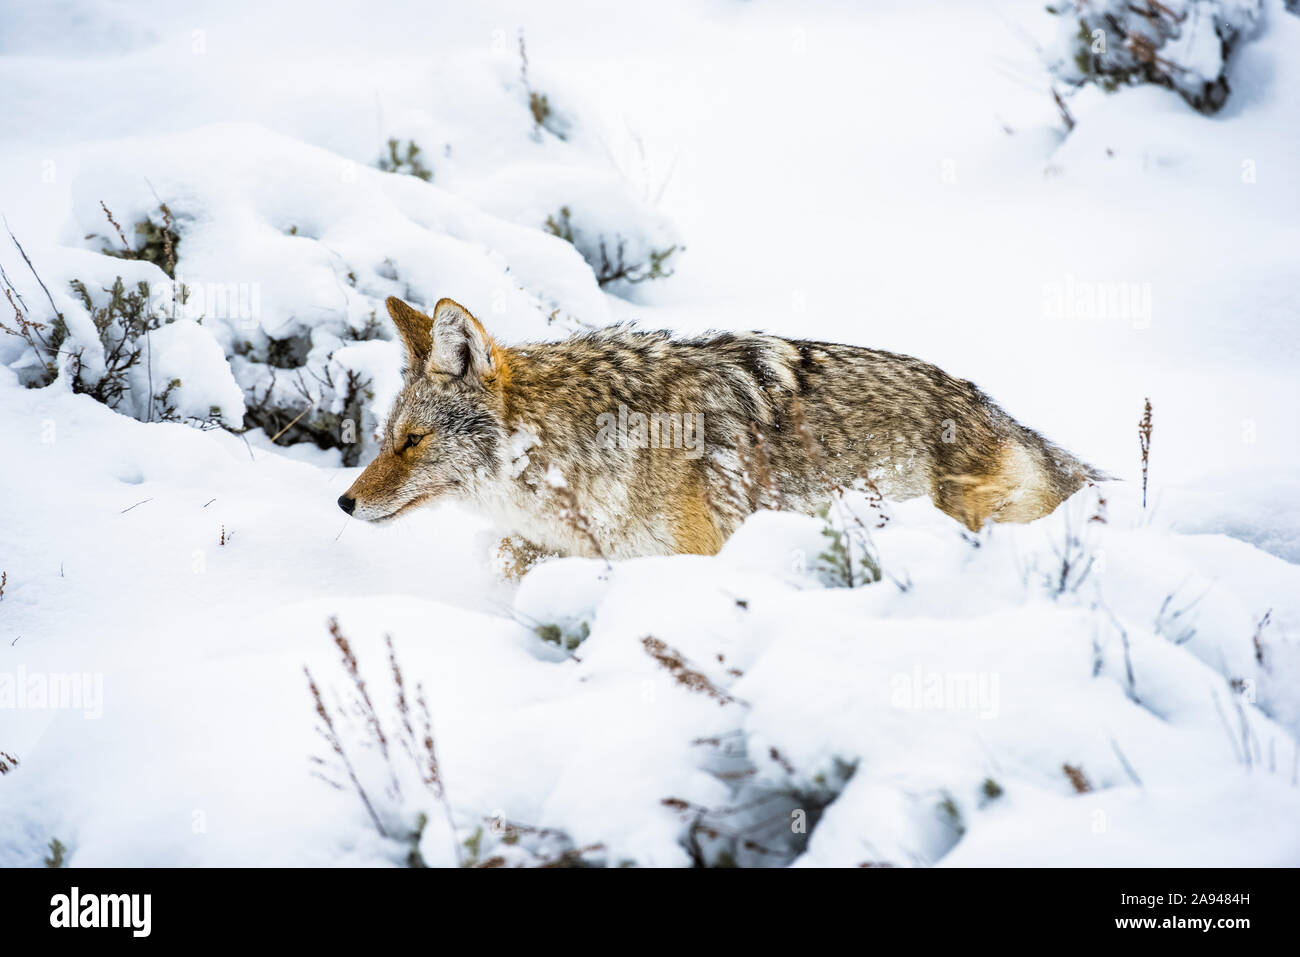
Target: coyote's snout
(623,443)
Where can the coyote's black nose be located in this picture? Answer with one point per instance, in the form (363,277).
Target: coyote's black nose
(347,504)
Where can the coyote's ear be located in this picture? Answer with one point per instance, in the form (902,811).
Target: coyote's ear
(414,328)
(461,346)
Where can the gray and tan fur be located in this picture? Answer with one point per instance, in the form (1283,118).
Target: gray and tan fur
(515,431)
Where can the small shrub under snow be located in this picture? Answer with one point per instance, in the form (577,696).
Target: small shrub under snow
(1181,44)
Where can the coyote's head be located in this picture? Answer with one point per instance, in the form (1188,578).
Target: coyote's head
(444,435)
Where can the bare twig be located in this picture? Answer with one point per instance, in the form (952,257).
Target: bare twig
(293,422)
(1124,763)
(28,260)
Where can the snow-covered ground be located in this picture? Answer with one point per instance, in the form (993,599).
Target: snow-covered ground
(893,175)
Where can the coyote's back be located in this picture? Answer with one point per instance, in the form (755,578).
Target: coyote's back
(622,442)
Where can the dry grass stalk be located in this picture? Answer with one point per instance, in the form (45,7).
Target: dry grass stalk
(1129,675)
(1145,50)
(117,226)
(293,421)
(1066,116)
(763,467)
(799,421)
(1256,639)
(683,806)
(1099,513)
(1249,742)
(761,489)
(1176,623)
(1077,778)
(704,822)
(523,62)
(1227,726)
(781,761)
(27,259)
(1124,763)
(430,770)
(1144,440)
(418,743)
(366,707)
(875,501)
(330,733)
(1075,557)
(511,832)
(7,762)
(567,858)
(571,514)
(672,661)
(29,330)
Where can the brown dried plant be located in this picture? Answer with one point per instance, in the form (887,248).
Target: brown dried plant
(1144,441)
(1077,778)
(419,746)
(672,661)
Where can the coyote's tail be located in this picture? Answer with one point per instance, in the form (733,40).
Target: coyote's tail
(1065,472)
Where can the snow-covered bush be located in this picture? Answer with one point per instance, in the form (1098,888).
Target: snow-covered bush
(914,719)
(158,241)
(765,821)
(608,255)
(408,162)
(56,857)
(280,254)
(849,558)
(135,357)
(390,763)
(1181,44)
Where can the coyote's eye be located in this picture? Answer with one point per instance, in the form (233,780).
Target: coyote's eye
(412,440)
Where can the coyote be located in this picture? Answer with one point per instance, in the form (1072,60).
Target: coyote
(619,443)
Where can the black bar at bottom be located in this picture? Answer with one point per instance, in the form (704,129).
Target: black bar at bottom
(334,906)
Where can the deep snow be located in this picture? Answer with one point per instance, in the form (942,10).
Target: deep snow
(826,182)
